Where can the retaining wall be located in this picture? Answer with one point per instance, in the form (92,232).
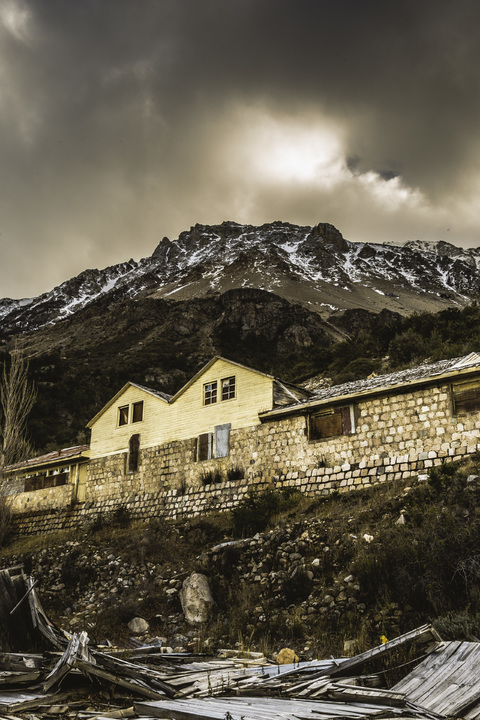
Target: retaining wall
(396,437)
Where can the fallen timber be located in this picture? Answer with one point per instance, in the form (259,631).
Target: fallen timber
(197,687)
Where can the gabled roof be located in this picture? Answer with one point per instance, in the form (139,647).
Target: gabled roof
(52,458)
(209,365)
(156,393)
(384,383)
(293,390)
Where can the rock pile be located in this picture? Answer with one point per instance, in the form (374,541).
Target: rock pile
(280,582)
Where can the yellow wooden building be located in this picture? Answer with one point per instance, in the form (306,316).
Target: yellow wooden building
(222,396)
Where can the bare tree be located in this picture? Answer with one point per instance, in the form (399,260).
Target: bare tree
(17,396)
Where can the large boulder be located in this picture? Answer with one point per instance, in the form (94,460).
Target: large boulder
(287,656)
(138,626)
(196,598)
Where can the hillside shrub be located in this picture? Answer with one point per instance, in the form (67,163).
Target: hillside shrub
(458,625)
(443,477)
(235,473)
(256,511)
(433,562)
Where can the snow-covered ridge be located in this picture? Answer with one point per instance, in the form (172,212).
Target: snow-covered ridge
(209,259)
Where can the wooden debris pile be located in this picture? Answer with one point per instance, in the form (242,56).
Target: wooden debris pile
(186,686)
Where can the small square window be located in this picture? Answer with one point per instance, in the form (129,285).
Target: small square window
(210,393)
(123,415)
(228,388)
(137,413)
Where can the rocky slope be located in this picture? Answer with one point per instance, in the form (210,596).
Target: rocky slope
(270,590)
(356,566)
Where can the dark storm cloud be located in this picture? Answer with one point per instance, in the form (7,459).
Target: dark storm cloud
(125,120)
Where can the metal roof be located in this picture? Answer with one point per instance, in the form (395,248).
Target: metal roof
(51,457)
(425,372)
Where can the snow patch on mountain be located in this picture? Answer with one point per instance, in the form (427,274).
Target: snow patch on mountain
(313,265)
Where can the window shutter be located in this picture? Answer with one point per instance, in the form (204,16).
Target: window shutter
(222,437)
(133,453)
(205,442)
(466,401)
(322,426)
(346,421)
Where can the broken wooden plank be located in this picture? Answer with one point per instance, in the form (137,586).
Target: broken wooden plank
(447,681)
(422,634)
(261,709)
(15,678)
(57,637)
(23,598)
(134,686)
(21,701)
(122,668)
(67,661)
(21,661)
(18,635)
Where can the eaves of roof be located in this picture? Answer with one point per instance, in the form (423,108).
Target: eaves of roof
(156,393)
(208,366)
(348,392)
(53,458)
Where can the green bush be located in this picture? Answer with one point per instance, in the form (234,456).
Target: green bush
(458,625)
(255,512)
(235,473)
(431,564)
(122,517)
(445,476)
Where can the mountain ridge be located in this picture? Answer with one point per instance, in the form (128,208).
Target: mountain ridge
(311,265)
(289,300)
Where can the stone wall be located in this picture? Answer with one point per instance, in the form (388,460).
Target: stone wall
(45,500)
(170,504)
(397,437)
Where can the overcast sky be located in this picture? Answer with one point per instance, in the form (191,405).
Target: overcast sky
(122,121)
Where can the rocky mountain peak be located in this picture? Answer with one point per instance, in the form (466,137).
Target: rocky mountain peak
(314,266)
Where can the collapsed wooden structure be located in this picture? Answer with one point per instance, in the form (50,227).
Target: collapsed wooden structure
(196,687)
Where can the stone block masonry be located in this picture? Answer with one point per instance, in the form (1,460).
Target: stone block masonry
(395,437)
(169,504)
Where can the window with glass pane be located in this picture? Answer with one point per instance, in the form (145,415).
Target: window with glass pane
(210,393)
(228,388)
(123,415)
(137,415)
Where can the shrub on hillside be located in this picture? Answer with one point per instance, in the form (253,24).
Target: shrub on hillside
(255,512)
(458,625)
(433,563)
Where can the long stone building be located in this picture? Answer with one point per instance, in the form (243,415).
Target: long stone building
(231,428)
